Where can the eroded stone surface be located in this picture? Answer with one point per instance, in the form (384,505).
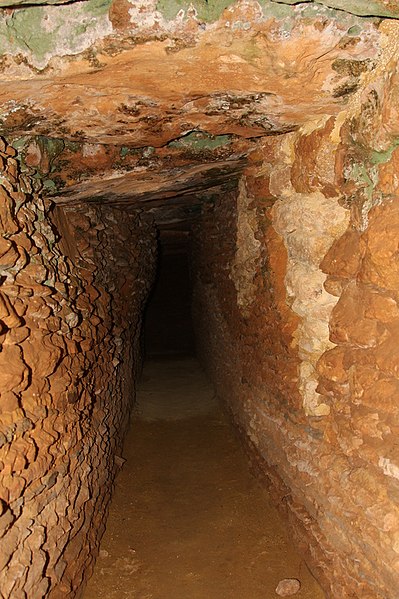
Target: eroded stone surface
(170,8)
(67,308)
(383,8)
(288,587)
(309,224)
(296,284)
(344,455)
(103,86)
(245,266)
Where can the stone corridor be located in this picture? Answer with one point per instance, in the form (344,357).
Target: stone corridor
(187,520)
(217,177)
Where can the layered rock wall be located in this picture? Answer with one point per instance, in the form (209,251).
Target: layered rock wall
(306,357)
(72,287)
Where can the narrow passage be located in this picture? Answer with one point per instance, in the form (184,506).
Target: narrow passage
(188,520)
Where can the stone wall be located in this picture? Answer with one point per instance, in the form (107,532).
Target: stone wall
(305,358)
(72,288)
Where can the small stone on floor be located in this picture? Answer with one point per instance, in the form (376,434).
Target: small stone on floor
(287,587)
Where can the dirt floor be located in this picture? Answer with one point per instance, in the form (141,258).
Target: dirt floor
(188,520)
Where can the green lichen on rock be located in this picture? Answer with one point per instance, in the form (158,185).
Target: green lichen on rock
(19,144)
(210,10)
(124,151)
(366,173)
(363,8)
(198,141)
(40,32)
(292,11)
(96,8)
(49,185)
(276,10)
(23,30)
(381,157)
(207,11)
(16,3)
(50,146)
(366,177)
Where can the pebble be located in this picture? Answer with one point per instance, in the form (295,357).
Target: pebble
(288,587)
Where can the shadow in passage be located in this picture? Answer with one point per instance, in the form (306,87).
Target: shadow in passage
(188,521)
(168,328)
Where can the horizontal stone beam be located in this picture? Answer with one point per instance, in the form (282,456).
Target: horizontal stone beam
(363,8)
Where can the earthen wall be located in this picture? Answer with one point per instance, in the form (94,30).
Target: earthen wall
(72,288)
(296,306)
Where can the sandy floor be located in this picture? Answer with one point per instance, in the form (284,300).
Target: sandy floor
(188,521)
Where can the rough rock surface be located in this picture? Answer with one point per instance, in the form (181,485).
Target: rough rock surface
(288,587)
(170,107)
(332,462)
(66,378)
(84,80)
(383,8)
(309,223)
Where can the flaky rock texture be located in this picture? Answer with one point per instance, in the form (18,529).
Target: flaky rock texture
(66,376)
(309,223)
(84,79)
(310,374)
(267,135)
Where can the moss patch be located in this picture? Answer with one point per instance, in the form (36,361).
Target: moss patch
(208,11)
(364,8)
(40,32)
(199,141)
(385,155)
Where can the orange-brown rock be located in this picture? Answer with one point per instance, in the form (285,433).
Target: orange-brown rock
(349,324)
(380,265)
(344,257)
(121,93)
(44,303)
(263,137)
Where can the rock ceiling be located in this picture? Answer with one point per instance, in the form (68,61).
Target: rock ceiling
(157,104)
